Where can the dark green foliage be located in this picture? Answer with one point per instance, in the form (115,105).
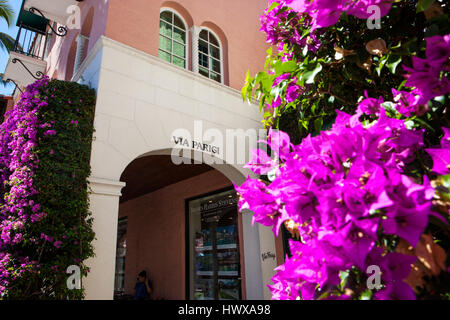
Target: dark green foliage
(61,180)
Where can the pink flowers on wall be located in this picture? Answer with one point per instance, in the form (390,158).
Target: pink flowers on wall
(18,161)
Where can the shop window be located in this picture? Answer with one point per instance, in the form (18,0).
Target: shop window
(172,39)
(214,264)
(209,56)
(121,251)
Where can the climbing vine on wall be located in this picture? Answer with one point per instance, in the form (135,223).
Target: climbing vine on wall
(45,224)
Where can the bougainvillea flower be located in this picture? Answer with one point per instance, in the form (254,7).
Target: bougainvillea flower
(441,160)
(425,75)
(293,91)
(339,188)
(260,163)
(279,142)
(398,291)
(445,141)
(370,105)
(276,102)
(360,10)
(438,51)
(409,104)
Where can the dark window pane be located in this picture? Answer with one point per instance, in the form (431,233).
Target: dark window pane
(203,72)
(215,77)
(203,60)
(204,35)
(213,40)
(215,65)
(165,29)
(203,46)
(179,49)
(178,22)
(164,55)
(179,35)
(165,44)
(166,16)
(214,52)
(179,62)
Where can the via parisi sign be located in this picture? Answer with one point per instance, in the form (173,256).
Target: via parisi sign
(196,145)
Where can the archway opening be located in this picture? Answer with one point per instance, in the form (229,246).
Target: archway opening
(180,224)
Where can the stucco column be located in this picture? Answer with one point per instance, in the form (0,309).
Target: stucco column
(195,31)
(104,205)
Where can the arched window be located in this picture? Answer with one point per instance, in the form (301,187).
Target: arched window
(172,39)
(209,56)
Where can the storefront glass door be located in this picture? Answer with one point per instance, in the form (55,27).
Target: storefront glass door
(214,268)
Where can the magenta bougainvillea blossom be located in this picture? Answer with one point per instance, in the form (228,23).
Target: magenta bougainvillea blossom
(317,14)
(352,194)
(426,75)
(441,156)
(370,105)
(18,161)
(345,189)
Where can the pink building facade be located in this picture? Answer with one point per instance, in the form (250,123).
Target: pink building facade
(167,72)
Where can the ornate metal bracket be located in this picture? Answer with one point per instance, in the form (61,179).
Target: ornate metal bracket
(39,75)
(15,83)
(62,31)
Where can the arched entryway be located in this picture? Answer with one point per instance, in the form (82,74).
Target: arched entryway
(180,223)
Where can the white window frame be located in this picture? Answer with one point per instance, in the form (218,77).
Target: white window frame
(197,62)
(163,9)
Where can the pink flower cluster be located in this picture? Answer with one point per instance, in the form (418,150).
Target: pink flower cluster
(345,190)
(319,14)
(427,76)
(406,103)
(18,162)
(271,24)
(441,156)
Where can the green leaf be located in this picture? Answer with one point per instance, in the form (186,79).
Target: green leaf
(389,106)
(423,5)
(366,295)
(380,66)
(244,90)
(308,76)
(425,124)
(305,50)
(440,99)
(446,180)
(392,64)
(343,275)
(272,6)
(288,66)
(318,123)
